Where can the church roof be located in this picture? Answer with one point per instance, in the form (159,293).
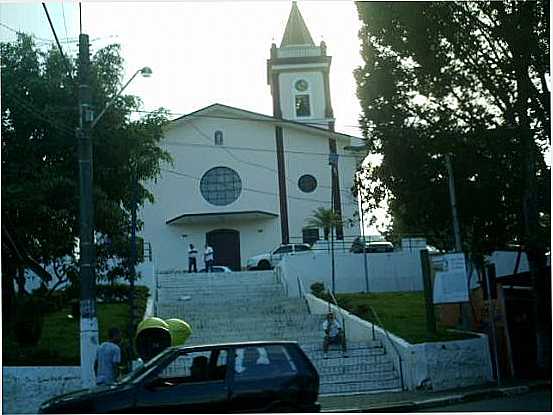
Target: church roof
(296,32)
(245,115)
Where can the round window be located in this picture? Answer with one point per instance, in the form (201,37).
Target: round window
(307,183)
(220,186)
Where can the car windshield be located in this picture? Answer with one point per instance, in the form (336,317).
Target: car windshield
(283,250)
(139,371)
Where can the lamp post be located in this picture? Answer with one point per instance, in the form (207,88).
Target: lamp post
(87,254)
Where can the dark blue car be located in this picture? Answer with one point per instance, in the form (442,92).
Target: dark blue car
(231,377)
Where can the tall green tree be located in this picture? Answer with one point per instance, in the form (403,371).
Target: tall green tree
(444,77)
(469,79)
(40,188)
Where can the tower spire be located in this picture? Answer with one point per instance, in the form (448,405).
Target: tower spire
(296,32)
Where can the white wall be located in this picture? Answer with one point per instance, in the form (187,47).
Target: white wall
(25,388)
(434,366)
(191,145)
(387,272)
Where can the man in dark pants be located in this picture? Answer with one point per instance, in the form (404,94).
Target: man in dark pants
(192,254)
(333,334)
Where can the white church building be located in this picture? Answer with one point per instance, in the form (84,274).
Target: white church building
(247,182)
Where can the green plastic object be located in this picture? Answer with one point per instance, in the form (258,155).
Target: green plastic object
(180,331)
(152,337)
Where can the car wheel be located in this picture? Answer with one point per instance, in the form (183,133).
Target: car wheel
(264,265)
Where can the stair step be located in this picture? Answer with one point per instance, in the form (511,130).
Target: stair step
(346,368)
(392,384)
(358,377)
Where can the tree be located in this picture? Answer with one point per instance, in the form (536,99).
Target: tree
(441,77)
(40,189)
(466,79)
(324,218)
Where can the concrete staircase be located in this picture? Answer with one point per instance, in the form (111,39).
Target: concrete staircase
(246,306)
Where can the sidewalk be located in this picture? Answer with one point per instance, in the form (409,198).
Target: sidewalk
(411,401)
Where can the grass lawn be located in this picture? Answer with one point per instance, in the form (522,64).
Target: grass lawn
(59,343)
(402,314)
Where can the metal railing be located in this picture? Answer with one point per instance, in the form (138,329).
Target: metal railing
(375,315)
(400,360)
(279,277)
(301,292)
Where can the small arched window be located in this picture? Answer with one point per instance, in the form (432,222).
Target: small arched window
(218,138)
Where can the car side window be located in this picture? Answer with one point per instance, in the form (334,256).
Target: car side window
(202,366)
(301,248)
(284,250)
(263,362)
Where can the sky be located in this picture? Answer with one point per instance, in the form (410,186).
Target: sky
(201,52)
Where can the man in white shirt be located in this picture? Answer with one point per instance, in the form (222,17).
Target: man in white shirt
(333,334)
(192,254)
(108,356)
(208,258)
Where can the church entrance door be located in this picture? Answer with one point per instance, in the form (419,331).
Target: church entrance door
(226,244)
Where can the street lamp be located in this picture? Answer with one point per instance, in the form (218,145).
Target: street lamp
(88,321)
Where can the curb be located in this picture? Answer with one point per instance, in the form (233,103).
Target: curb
(412,406)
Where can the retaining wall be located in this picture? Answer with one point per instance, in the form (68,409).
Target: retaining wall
(432,366)
(25,388)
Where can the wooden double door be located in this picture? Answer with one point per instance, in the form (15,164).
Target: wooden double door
(226,246)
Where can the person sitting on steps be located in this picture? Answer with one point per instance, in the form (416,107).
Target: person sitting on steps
(333,334)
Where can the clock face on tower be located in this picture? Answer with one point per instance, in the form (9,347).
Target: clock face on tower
(301,85)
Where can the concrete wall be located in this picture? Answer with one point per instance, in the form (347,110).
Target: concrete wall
(387,272)
(434,366)
(25,388)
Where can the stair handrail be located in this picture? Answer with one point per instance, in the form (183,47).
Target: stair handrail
(301,291)
(282,281)
(400,360)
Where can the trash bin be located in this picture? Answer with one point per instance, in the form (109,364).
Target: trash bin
(152,337)
(180,331)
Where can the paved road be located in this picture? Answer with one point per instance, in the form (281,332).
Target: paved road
(535,401)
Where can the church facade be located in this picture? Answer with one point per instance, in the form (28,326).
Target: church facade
(246,182)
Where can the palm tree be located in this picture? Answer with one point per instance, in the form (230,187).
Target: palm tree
(328,220)
(324,218)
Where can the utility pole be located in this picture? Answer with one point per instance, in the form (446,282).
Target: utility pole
(456,230)
(465,309)
(87,253)
(365,267)
(333,161)
(132,275)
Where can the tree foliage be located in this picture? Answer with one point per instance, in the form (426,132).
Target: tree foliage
(324,218)
(460,78)
(40,172)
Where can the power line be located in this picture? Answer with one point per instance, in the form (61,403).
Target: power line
(64,23)
(178,114)
(205,136)
(31,108)
(249,189)
(58,43)
(307,153)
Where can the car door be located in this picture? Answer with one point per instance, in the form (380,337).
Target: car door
(193,382)
(268,382)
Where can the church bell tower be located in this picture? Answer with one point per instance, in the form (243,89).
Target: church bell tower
(298,75)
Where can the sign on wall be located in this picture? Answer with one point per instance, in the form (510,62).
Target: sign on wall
(450,285)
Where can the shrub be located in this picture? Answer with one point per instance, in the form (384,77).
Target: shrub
(29,320)
(318,289)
